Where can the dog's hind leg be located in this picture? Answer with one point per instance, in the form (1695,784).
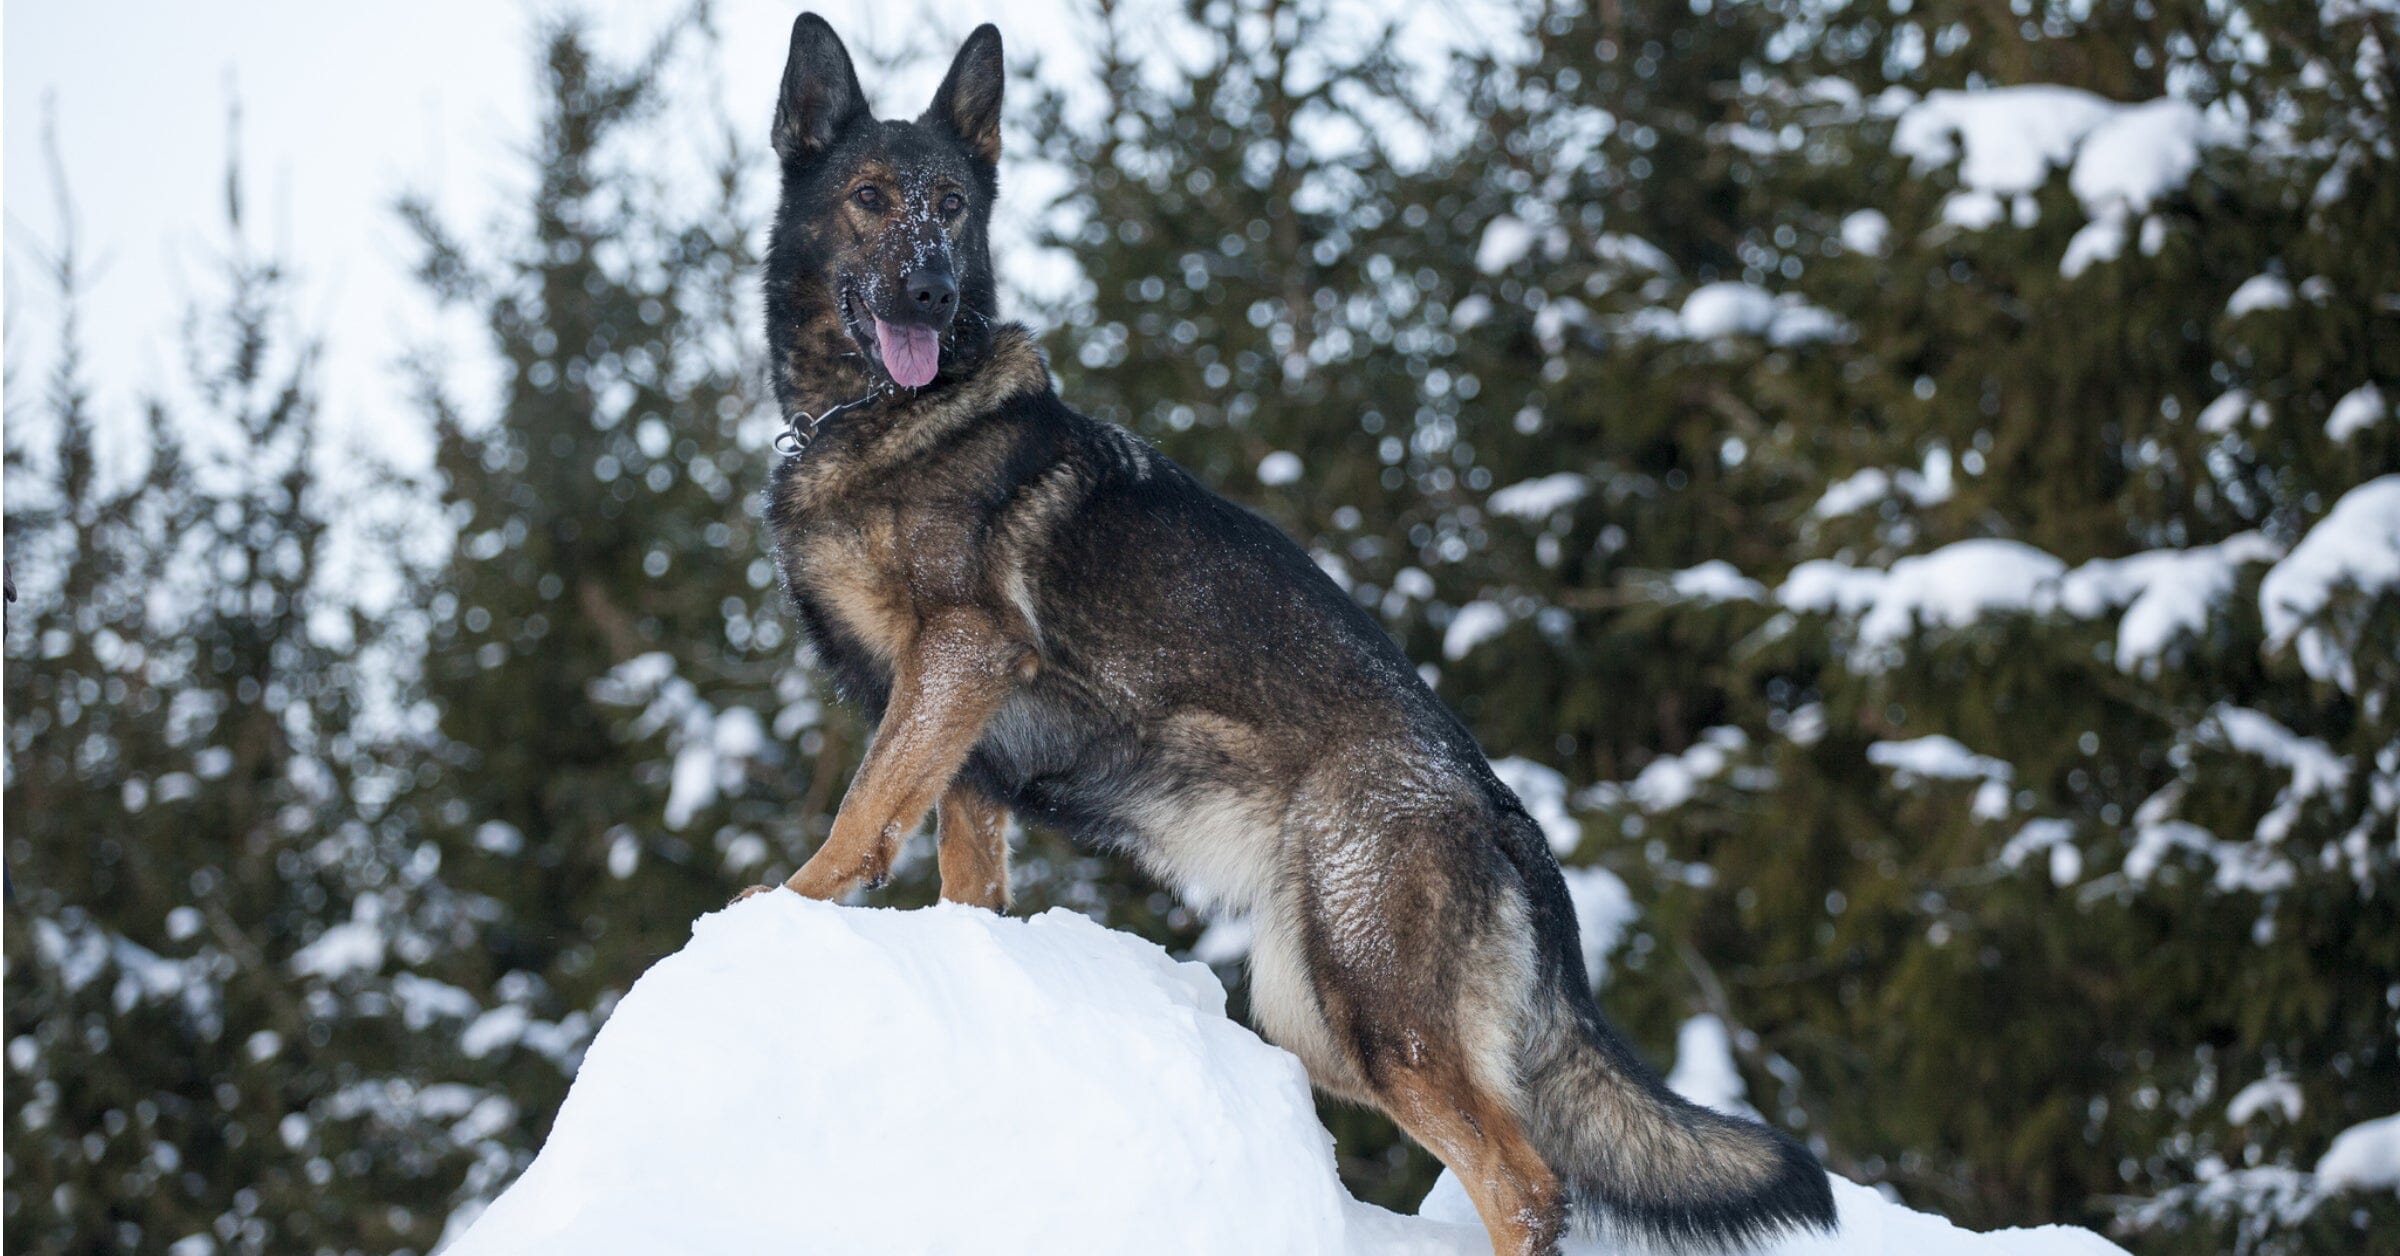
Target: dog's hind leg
(1362,1043)
(974,849)
(1482,1140)
(1417,952)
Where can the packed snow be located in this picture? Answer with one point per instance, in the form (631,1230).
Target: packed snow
(1871,1226)
(803,1076)
(809,1077)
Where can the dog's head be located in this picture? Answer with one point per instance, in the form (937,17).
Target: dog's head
(880,266)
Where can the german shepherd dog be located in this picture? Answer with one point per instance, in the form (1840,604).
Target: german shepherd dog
(1044,616)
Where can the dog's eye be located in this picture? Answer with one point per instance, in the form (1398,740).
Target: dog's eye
(868,195)
(953,203)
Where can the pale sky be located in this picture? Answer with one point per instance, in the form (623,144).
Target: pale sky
(344,108)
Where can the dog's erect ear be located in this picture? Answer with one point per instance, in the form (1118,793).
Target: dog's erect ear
(820,91)
(968,103)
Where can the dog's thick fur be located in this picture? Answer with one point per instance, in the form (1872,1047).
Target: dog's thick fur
(1045,616)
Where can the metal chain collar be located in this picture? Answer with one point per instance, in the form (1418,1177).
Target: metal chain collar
(800,430)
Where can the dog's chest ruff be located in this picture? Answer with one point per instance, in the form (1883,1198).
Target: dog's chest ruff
(875,522)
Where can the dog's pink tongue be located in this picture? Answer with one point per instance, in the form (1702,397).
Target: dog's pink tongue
(911,354)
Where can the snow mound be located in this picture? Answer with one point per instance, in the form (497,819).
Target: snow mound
(807,1077)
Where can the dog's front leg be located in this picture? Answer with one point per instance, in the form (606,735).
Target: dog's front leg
(945,687)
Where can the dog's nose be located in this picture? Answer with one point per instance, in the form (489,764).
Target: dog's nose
(931,293)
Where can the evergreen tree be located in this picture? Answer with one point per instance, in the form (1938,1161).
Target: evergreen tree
(2028,971)
(1946,604)
(200,880)
(624,738)
(1686,313)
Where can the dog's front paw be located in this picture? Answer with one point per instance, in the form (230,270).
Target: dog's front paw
(755,889)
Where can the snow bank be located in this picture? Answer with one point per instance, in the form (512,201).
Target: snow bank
(806,1077)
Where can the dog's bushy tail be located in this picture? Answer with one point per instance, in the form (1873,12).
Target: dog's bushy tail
(1640,1161)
